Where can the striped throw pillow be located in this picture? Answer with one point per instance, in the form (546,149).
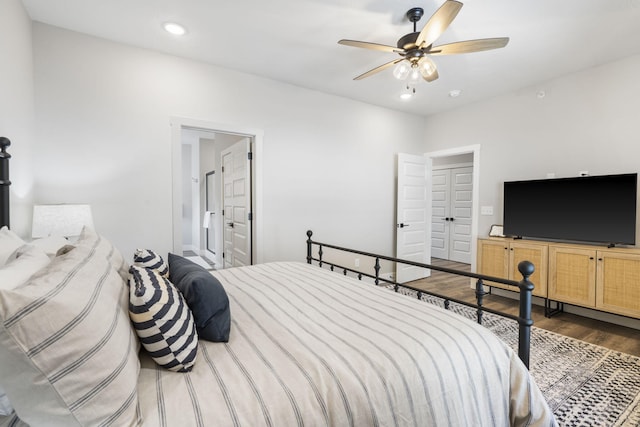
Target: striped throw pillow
(162,320)
(68,351)
(149,259)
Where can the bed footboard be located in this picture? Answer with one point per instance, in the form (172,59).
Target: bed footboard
(526,287)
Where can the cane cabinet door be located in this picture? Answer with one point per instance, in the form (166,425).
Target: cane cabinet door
(572,275)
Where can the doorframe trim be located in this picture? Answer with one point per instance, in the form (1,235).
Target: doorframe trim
(475,192)
(452,166)
(257,136)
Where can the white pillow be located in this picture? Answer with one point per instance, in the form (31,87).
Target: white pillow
(51,245)
(17,271)
(68,351)
(9,242)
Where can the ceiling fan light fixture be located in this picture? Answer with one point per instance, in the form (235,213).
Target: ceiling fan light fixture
(415,75)
(402,70)
(427,67)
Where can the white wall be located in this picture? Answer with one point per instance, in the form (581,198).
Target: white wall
(585,121)
(208,162)
(103,138)
(187,197)
(17,108)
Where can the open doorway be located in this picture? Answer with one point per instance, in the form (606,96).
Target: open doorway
(203,198)
(454,216)
(200,229)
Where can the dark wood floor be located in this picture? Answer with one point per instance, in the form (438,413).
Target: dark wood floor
(605,334)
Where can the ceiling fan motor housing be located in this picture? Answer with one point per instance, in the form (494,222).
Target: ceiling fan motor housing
(408,41)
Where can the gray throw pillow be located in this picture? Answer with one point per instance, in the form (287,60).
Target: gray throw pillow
(205,296)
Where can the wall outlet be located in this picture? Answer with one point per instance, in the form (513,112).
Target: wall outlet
(357,262)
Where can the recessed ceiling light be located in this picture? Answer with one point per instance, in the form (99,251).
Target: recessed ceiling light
(454,93)
(175,29)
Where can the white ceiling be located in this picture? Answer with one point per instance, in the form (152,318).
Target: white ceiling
(295,41)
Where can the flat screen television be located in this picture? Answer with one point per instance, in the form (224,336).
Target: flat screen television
(595,209)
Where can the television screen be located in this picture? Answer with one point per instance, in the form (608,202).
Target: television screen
(598,209)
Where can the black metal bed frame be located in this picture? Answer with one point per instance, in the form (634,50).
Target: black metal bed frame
(4,181)
(526,268)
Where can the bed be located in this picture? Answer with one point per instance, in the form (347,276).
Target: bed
(307,346)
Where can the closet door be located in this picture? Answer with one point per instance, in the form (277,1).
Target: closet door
(440,207)
(461,215)
(451,214)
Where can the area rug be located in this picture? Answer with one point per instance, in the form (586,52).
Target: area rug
(584,384)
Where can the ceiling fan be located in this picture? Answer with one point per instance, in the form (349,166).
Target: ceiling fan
(416,48)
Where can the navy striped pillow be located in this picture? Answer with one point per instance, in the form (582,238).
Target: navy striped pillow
(162,320)
(149,259)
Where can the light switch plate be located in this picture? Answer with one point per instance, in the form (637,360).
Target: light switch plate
(486,210)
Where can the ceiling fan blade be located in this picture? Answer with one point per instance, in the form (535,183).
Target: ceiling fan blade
(431,77)
(438,22)
(374,46)
(378,69)
(469,46)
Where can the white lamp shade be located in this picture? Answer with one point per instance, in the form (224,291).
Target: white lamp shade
(60,220)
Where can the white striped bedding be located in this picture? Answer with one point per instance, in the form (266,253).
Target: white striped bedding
(312,347)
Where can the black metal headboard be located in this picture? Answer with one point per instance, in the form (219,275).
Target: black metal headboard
(4,181)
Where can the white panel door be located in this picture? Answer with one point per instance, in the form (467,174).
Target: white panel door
(236,182)
(440,207)
(461,214)
(413,208)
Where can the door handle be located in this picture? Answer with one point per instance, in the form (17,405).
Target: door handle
(230,224)
(402,225)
